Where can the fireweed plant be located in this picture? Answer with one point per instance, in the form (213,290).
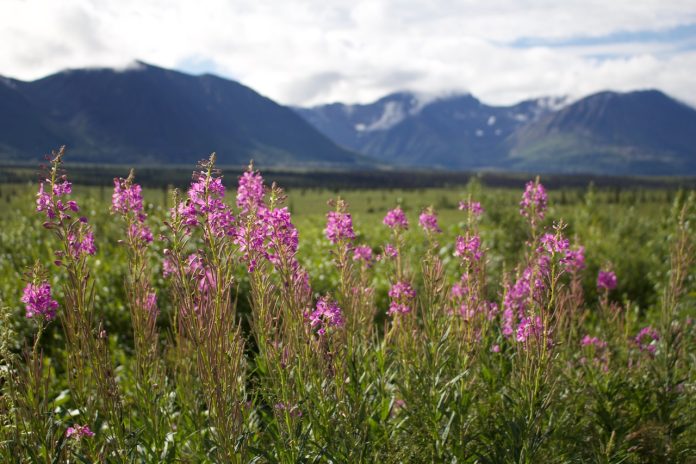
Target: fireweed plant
(454,366)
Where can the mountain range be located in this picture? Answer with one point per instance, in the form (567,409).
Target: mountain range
(144,114)
(641,132)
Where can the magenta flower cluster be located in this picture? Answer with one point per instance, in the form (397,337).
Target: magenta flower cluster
(51,203)
(647,339)
(205,201)
(402,296)
(250,191)
(339,227)
(534,202)
(606,280)
(362,253)
(428,221)
(396,219)
(325,316)
(472,206)
(38,301)
(468,248)
(78,431)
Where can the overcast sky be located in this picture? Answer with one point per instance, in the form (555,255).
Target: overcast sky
(317,51)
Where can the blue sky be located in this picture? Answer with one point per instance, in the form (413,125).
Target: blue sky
(308,52)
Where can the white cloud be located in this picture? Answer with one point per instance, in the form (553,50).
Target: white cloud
(315,51)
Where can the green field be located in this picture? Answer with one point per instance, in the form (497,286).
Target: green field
(441,400)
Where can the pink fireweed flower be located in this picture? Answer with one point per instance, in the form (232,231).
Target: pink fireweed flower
(62,188)
(326,315)
(250,190)
(396,219)
(362,253)
(534,201)
(402,296)
(127,197)
(43,201)
(593,341)
(78,431)
(468,248)
(428,221)
(473,206)
(553,243)
(530,327)
(138,231)
(574,260)
(647,339)
(339,226)
(282,235)
(606,280)
(205,200)
(80,245)
(38,301)
(390,251)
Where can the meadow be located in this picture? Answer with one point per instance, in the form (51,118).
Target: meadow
(461,324)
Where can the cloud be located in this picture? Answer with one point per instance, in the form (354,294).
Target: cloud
(313,51)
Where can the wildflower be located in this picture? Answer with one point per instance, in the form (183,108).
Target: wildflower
(534,201)
(327,314)
(127,196)
(402,296)
(647,339)
(554,243)
(593,341)
(528,326)
(396,219)
(62,188)
(390,251)
(428,221)
(473,206)
(79,431)
(606,280)
(339,226)
(362,253)
(250,190)
(468,248)
(495,349)
(574,260)
(38,301)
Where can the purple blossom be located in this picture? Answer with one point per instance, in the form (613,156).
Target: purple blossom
(127,197)
(250,191)
(468,248)
(606,280)
(402,296)
(473,206)
(62,188)
(38,301)
(428,221)
(362,253)
(205,200)
(326,315)
(530,327)
(647,339)
(78,431)
(339,226)
(396,219)
(593,341)
(390,251)
(534,202)
(574,260)
(553,243)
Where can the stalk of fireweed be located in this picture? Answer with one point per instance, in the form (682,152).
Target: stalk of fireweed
(280,295)
(150,378)
(37,429)
(207,313)
(90,372)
